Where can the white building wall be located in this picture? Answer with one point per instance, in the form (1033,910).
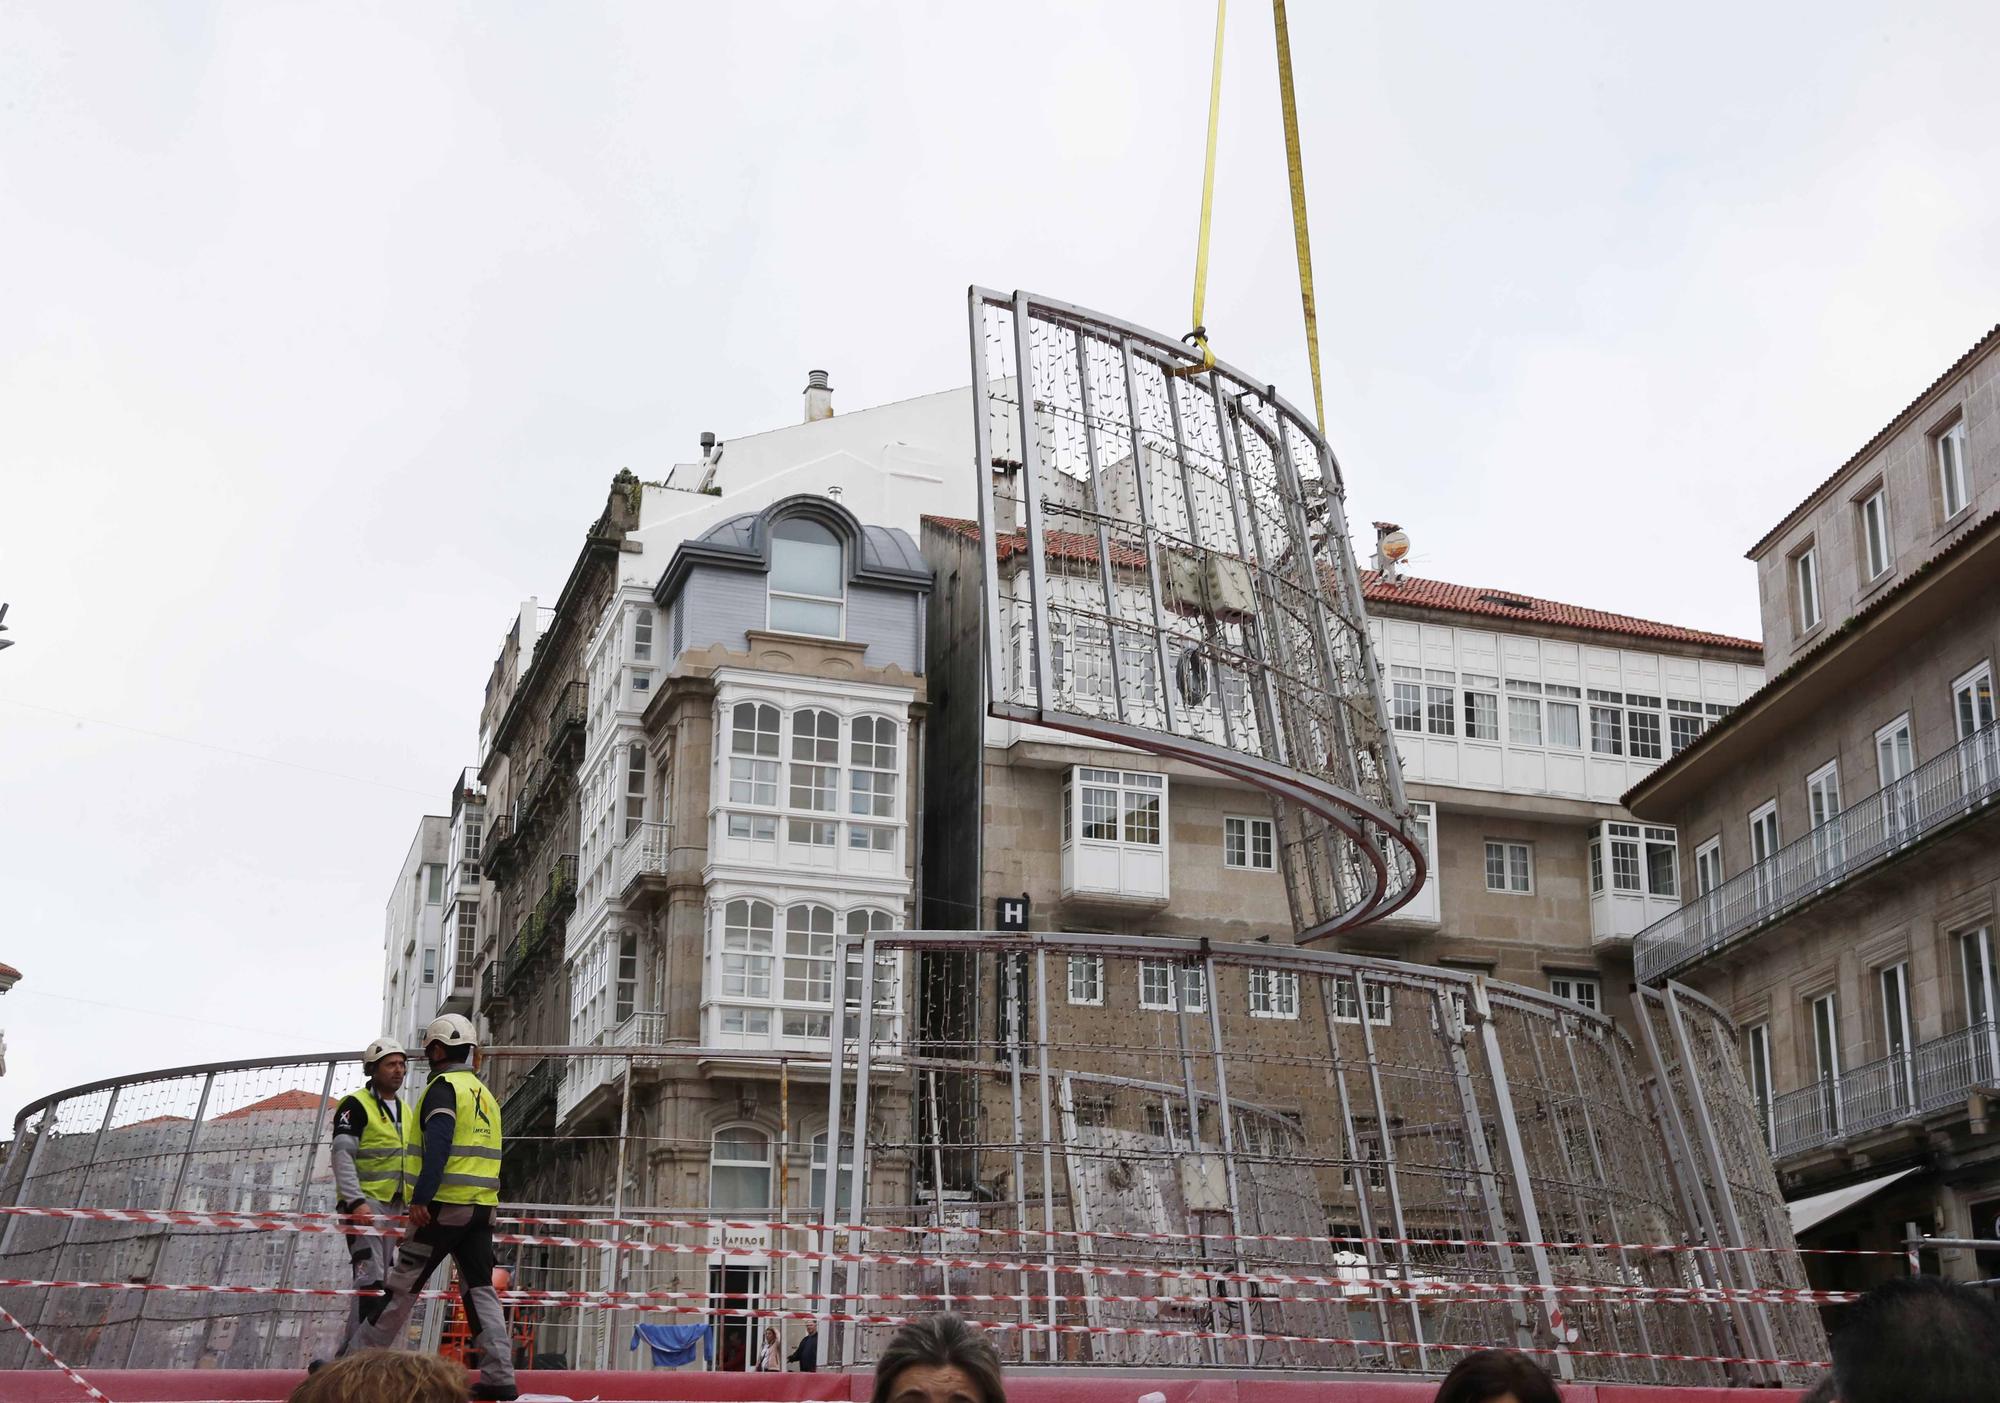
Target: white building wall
(413,926)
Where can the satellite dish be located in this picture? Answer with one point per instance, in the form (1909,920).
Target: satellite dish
(1394,546)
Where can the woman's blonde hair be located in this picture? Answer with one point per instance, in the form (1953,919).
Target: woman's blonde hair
(385,1376)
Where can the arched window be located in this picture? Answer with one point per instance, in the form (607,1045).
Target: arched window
(861,924)
(753,754)
(746,949)
(808,585)
(815,777)
(844,1186)
(739,1170)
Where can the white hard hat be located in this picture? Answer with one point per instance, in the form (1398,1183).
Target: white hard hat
(380,1048)
(452,1031)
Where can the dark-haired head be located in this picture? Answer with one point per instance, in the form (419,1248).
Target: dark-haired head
(939,1359)
(1498,1376)
(1918,1337)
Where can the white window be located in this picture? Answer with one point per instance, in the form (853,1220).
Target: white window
(808,966)
(1895,982)
(1086,980)
(625,990)
(1565,717)
(1708,867)
(642,635)
(1482,707)
(753,754)
(807,582)
(1875,533)
(1757,1044)
(1439,693)
(635,788)
(1524,713)
(1577,989)
(872,786)
(1764,832)
(434,883)
(1406,698)
(1119,806)
(1509,868)
(1347,1006)
(843,1190)
(1249,842)
(1607,722)
(1684,724)
(1805,583)
(746,949)
(1951,470)
(815,770)
(1642,727)
(1823,795)
(430,964)
(1663,860)
(1972,701)
(739,1170)
(1157,981)
(1274,993)
(1826,1056)
(1975,951)
(1626,874)
(1893,755)
(468,942)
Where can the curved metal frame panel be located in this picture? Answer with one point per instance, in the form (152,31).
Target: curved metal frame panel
(1167,566)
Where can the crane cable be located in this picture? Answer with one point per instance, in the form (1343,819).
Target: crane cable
(1296,175)
(1199,336)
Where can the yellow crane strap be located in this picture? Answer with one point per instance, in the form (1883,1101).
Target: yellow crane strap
(1296,169)
(1200,333)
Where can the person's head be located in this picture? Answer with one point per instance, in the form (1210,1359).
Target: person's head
(812,1327)
(374,1375)
(385,1064)
(1497,1376)
(1917,1336)
(939,1359)
(770,1334)
(449,1042)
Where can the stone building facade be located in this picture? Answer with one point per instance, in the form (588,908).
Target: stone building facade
(1840,842)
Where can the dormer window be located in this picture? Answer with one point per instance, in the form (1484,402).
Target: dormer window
(808,589)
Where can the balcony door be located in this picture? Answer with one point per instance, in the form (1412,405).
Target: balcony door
(1894,759)
(1896,1039)
(1823,811)
(1975,949)
(1979,743)
(1763,847)
(1708,881)
(1826,1061)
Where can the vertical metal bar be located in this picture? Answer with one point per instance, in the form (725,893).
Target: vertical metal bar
(174,1201)
(1359,1176)
(989,522)
(1912,1249)
(1103,535)
(1195,1225)
(1759,1313)
(1603,1310)
(1079,1208)
(782,1268)
(1031,498)
(1388,1144)
(828,1209)
(1048,1148)
(1626,1270)
(1476,1148)
(1524,1185)
(1171,383)
(1681,1155)
(1147,533)
(614,1260)
(937,1184)
(858,1201)
(19,1187)
(1010,977)
(1228,1116)
(305,1182)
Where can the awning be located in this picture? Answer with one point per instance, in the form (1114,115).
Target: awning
(1809,1213)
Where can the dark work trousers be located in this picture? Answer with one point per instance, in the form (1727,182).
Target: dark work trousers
(464,1233)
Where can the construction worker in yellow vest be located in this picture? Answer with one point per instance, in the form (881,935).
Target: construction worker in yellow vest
(451,1208)
(376,1156)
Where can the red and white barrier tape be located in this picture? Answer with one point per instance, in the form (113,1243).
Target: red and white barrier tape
(262,1220)
(652,1301)
(1362,1289)
(7,1317)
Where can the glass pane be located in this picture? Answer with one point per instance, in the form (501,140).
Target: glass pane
(805,558)
(805,616)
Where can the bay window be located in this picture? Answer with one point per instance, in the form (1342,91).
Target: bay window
(1114,834)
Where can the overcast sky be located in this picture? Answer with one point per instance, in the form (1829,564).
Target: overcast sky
(323,328)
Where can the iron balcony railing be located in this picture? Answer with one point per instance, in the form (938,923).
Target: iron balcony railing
(1938,793)
(494,983)
(1928,1078)
(566,717)
(533,1093)
(643,853)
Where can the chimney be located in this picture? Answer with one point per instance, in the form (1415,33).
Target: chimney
(707,443)
(819,396)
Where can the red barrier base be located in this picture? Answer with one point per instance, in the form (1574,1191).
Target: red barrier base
(694,1386)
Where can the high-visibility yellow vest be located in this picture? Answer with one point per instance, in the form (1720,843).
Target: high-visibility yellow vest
(391,1154)
(472,1174)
